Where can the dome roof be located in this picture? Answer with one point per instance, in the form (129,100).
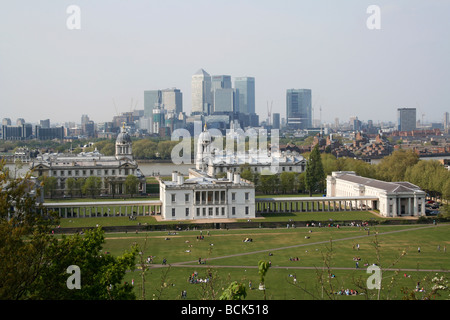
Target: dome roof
(123,137)
(205,136)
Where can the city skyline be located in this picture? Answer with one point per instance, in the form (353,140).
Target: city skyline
(48,71)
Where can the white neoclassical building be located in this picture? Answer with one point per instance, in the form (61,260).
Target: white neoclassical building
(395,199)
(202,197)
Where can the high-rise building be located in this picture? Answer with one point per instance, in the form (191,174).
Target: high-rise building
(201,93)
(172,99)
(152,99)
(406,118)
(45,123)
(225,100)
(167,99)
(299,108)
(276,121)
(246,88)
(220,82)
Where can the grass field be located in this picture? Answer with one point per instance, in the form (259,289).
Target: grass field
(269,217)
(229,259)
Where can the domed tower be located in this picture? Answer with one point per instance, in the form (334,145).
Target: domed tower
(203,150)
(123,146)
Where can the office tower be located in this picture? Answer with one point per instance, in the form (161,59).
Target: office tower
(225,100)
(45,123)
(172,99)
(246,88)
(47,133)
(201,93)
(152,99)
(220,82)
(276,121)
(406,118)
(299,108)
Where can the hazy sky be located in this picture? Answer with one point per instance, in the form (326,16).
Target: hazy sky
(128,46)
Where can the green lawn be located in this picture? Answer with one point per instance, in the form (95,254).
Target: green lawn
(229,259)
(325,217)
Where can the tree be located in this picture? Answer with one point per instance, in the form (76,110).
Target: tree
(101,274)
(235,291)
(50,184)
(315,174)
(71,185)
(34,262)
(287,181)
(393,167)
(131,184)
(92,186)
(24,235)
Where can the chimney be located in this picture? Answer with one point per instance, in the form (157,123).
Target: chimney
(237,178)
(175,176)
(180,180)
(229,176)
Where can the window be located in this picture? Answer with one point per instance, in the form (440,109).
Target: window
(204,211)
(173,197)
(198,212)
(246,210)
(76,172)
(106,172)
(217,211)
(186,197)
(69,173)
(210,211)
(233,211)
(223,211)
(233,196)
(62,173)
(187,212)
(91,172)
(247,195)
(173,212)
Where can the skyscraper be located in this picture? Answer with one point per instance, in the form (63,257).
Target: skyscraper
(299,108)
(276,121)
(172,99)
(152,98)
(406,118)
(246,88)
(220,82)
(201,92)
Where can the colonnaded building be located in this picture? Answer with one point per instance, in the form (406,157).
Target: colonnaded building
(394,199)
(112,170)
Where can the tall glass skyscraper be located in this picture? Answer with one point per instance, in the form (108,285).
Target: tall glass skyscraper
(246,89)
(299,108)
(201,92)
